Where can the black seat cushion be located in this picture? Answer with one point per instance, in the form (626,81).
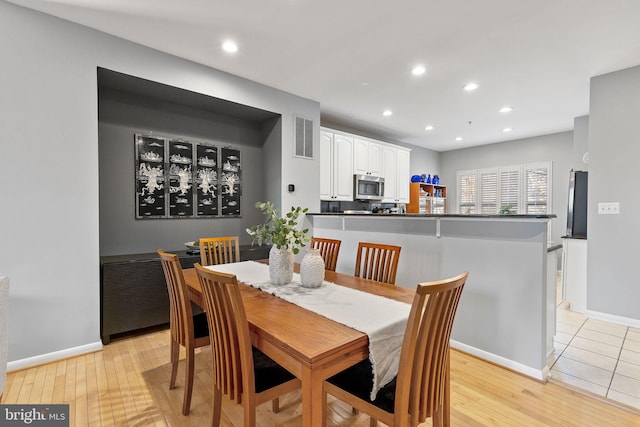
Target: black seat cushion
(358,380)
(267,372)
(200,326)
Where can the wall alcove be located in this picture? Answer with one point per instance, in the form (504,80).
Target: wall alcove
(128,105)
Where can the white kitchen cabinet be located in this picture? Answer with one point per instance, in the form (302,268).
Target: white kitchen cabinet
(342,155)
(403,175)
(390,172)
(367,157)
(336,166)
(395,168)
(574,273)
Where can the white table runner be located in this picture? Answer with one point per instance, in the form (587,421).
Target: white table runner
(382,319)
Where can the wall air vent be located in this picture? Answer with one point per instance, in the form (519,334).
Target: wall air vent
(304,138)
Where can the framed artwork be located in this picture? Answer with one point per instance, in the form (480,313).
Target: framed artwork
(180,178)
(183,179)
(150,177)
(230,182)
(207,181)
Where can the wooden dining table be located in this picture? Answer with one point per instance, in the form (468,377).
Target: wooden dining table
(310,346)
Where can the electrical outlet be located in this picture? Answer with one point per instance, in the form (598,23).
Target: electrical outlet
(611,208)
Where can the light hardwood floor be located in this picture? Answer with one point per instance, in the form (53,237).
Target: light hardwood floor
(126,384)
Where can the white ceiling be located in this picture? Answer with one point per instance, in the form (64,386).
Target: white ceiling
(355,56)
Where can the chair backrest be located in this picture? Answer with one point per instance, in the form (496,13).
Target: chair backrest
(377,261)
(423,372)
(219,250)
(229,331)
(181,315)
(329,249)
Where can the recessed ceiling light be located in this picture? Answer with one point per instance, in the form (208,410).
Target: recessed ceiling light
(507,130)
(506,109)
(418,70)
(387,113)
(428,127)
(471,86)
(458,138)
(229,46)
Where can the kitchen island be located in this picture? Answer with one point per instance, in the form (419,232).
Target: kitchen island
(507,310)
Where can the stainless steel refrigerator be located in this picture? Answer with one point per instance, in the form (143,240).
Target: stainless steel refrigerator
(577,209)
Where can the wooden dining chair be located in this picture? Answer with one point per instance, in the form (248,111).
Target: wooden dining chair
(329,249)
(219,250)
(240,371)
(376,261)
(187,330)
(421,389)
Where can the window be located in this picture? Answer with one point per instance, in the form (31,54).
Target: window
(466,192)
(488,192)
(538,178)
(520,189)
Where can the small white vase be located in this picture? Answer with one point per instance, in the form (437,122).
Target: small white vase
(312,269)
(280,265)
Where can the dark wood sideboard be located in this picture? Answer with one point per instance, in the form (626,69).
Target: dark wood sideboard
(133,291)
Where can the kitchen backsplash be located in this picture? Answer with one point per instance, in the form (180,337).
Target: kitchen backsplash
(326,206)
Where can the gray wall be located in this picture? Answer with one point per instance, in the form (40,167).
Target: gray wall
(49,166)
(556,148)
(614,130)
(580,143)
(424,161)
(123,115)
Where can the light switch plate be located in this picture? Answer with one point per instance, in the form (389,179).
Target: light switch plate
(610,208)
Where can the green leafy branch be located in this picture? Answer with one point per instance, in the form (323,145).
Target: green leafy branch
(281,231)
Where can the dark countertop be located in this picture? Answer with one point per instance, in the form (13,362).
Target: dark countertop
(246,251)
(412,215)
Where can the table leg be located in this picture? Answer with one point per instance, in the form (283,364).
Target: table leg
(312,400)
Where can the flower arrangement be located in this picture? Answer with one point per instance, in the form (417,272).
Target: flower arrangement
(282,232)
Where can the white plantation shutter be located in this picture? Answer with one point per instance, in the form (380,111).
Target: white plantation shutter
(526,189)
(488,192)
(538,181)
(466,183)
(510,189)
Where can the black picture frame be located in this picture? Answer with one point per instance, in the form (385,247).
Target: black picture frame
(150,177)
(176,178)
(230,183)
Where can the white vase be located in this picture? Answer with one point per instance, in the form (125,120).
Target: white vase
(280,265)
(312,269)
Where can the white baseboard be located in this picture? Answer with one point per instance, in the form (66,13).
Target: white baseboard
(537,374)
(50,357)
(625,321)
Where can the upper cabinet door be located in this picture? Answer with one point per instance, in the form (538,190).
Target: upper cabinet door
(367,157)
(326,165)
(360,157)
(343,167)
(389,167)
(396,164)
(403,175)
(375,159)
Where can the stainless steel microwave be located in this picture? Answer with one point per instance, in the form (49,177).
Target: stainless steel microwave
(367,187)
